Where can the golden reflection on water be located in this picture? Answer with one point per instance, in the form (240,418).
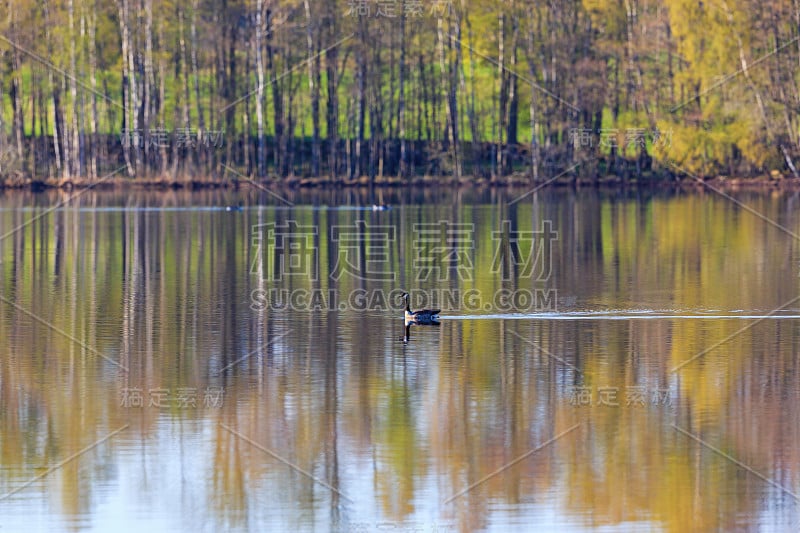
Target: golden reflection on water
(142,321)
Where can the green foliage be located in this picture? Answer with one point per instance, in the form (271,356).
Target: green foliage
(678,66)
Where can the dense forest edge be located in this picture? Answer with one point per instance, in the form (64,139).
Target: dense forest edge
(398,92)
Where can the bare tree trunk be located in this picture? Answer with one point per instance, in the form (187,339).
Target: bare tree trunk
(75,148)
(260,168)
(162,95)
(448,92)
(4,150)
(149,84)
(362,95)
(133,93)
(187,97)
(473,123)
(425,100)
(313,87)
(376,113)
(227,70)
(94,125)
(291,127)
(248,159)
(195,70)
(201,155)
(501,101)
(279,156)
(332,97)
(128,90)
(66,149)
(18,118)
(82,140)
(401,99)
(455,68)
(57,122)
(513,100)
(44,124)
(535,146)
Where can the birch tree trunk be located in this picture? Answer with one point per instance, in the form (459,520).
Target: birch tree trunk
(58,123)
(128,99)
(362,96)
(501,92)
(279,120)
(94,124)
(313,65)
(448,92)
(149,82)
(260,169)
(401,98)
(18,119)
(332,109)
(75,144)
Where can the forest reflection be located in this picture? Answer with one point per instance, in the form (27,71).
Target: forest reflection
(249,416)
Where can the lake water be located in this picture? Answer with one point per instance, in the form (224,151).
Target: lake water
(614,361)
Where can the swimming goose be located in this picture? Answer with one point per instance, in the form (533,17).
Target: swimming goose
(406,338)
(422,316)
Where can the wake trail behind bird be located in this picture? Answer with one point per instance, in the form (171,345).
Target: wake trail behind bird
(618,316)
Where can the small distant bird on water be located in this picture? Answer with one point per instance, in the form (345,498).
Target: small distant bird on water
(422,316)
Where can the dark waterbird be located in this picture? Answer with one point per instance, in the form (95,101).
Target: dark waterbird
(408,323)
(422,316)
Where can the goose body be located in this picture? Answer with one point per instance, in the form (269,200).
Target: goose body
(422,316)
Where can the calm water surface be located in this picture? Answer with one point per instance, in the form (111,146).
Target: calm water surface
(605,361)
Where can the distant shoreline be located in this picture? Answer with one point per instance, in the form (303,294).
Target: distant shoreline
(764,182)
